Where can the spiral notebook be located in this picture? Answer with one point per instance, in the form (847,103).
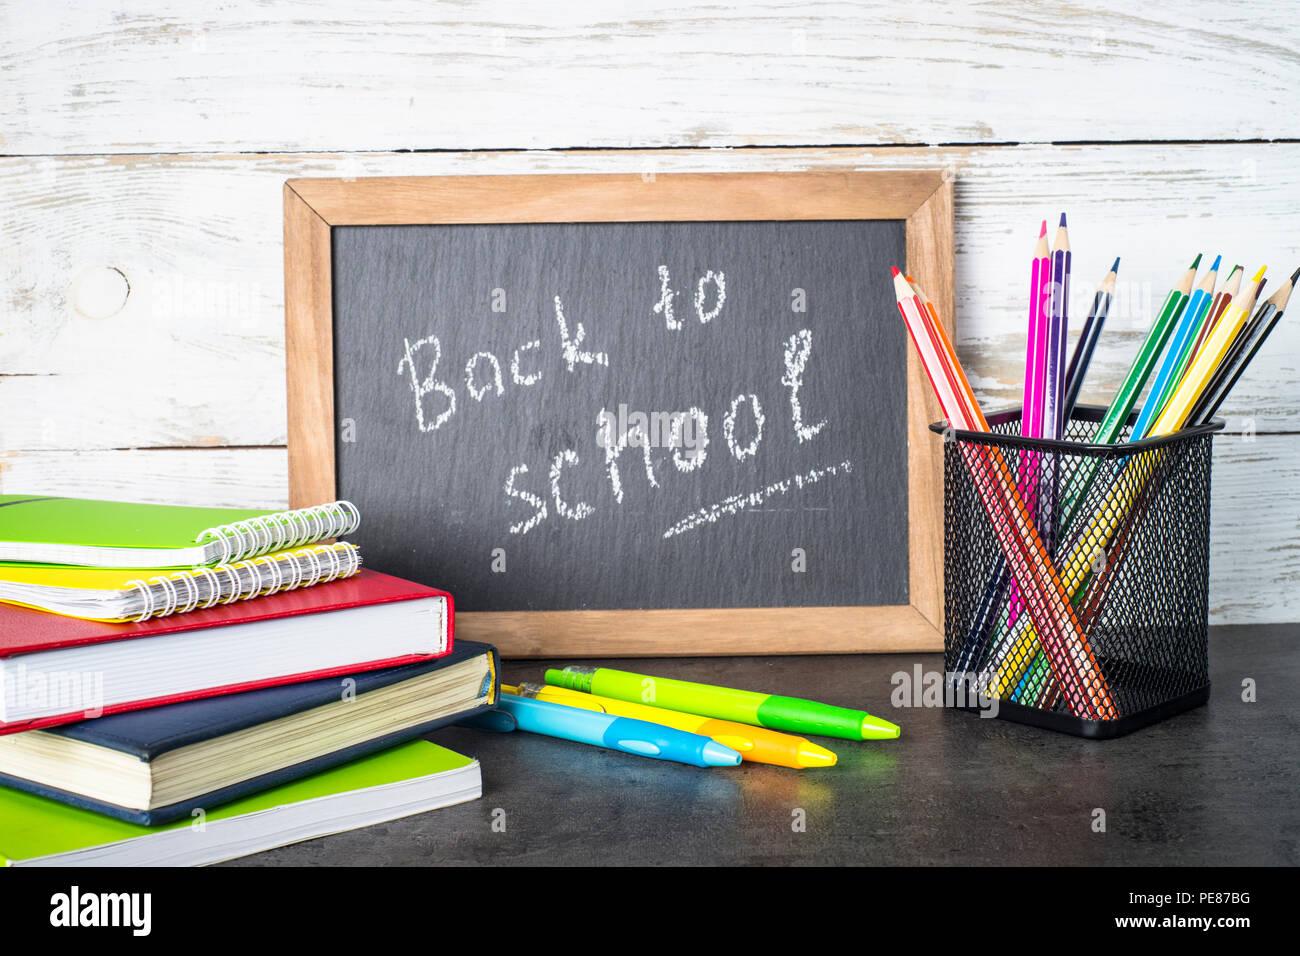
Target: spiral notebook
(122,594)
(119,534)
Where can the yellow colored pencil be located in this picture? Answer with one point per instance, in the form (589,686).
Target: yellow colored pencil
(1207,360)
(1103,524)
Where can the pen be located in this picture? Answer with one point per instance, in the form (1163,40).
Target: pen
(756,744)
(616,733)
(743,706)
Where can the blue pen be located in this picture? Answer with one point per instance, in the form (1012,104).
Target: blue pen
(627,734)
(1185,333)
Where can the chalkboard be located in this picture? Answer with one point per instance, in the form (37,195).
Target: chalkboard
(626,416)
(500,383)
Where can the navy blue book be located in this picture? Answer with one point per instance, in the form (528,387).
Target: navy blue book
(157,765)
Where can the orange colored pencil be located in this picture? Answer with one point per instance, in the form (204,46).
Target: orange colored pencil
(946,350)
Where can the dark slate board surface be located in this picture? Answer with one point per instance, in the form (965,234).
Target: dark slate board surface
(433,495)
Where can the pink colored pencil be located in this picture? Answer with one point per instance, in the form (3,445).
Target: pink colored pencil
(1040,297)
(1035,395)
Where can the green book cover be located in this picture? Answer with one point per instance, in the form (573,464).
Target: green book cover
(32,826)
(109,524)
(123,534)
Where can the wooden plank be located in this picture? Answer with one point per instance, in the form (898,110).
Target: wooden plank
(309,341)
(929,253)
(683,633)
(195,357)
(221,477)
(616,197)
(1254,567)
(247,76)
(195,354)
(1255,528)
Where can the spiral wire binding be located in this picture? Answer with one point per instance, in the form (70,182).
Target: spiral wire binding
(282,529)
(161,595)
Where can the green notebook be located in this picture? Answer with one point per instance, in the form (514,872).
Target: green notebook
(119,534)
(412,778)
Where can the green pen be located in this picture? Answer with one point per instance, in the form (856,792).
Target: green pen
(724,703)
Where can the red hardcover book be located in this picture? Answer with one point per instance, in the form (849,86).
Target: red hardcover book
(56,670)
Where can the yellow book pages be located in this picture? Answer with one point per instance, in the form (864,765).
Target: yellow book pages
(63,576)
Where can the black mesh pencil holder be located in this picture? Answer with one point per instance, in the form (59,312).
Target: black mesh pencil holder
(1076,575)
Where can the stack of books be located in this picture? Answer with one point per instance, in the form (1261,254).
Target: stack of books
(186,685)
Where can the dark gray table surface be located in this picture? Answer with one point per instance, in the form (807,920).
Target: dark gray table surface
(1216,785)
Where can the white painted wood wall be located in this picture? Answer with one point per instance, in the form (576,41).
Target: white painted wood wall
(143,146)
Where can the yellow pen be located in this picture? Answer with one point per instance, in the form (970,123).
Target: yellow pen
(755,744)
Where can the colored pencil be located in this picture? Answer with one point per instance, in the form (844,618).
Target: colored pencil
(1132,477)
(1211,355)
(1058,324)
(949,355)
(1239,355)
(1222,385)
(1180,345)
(1033,407)
(1222,298)
(1073,665)
(1014,648)
(1087,343)
(1040,294)
(986,616)
(1122,404)
(1054,418)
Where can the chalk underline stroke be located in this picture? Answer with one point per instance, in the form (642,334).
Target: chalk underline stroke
(752,499)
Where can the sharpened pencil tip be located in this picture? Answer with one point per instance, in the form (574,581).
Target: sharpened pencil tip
(1062,220)
(1294,276)
(1260,274)
(1217,260)
(1196,263)
(1115,267)
(893,270)
(1043,231)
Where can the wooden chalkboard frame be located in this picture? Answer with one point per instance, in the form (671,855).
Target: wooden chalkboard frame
(922,198)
